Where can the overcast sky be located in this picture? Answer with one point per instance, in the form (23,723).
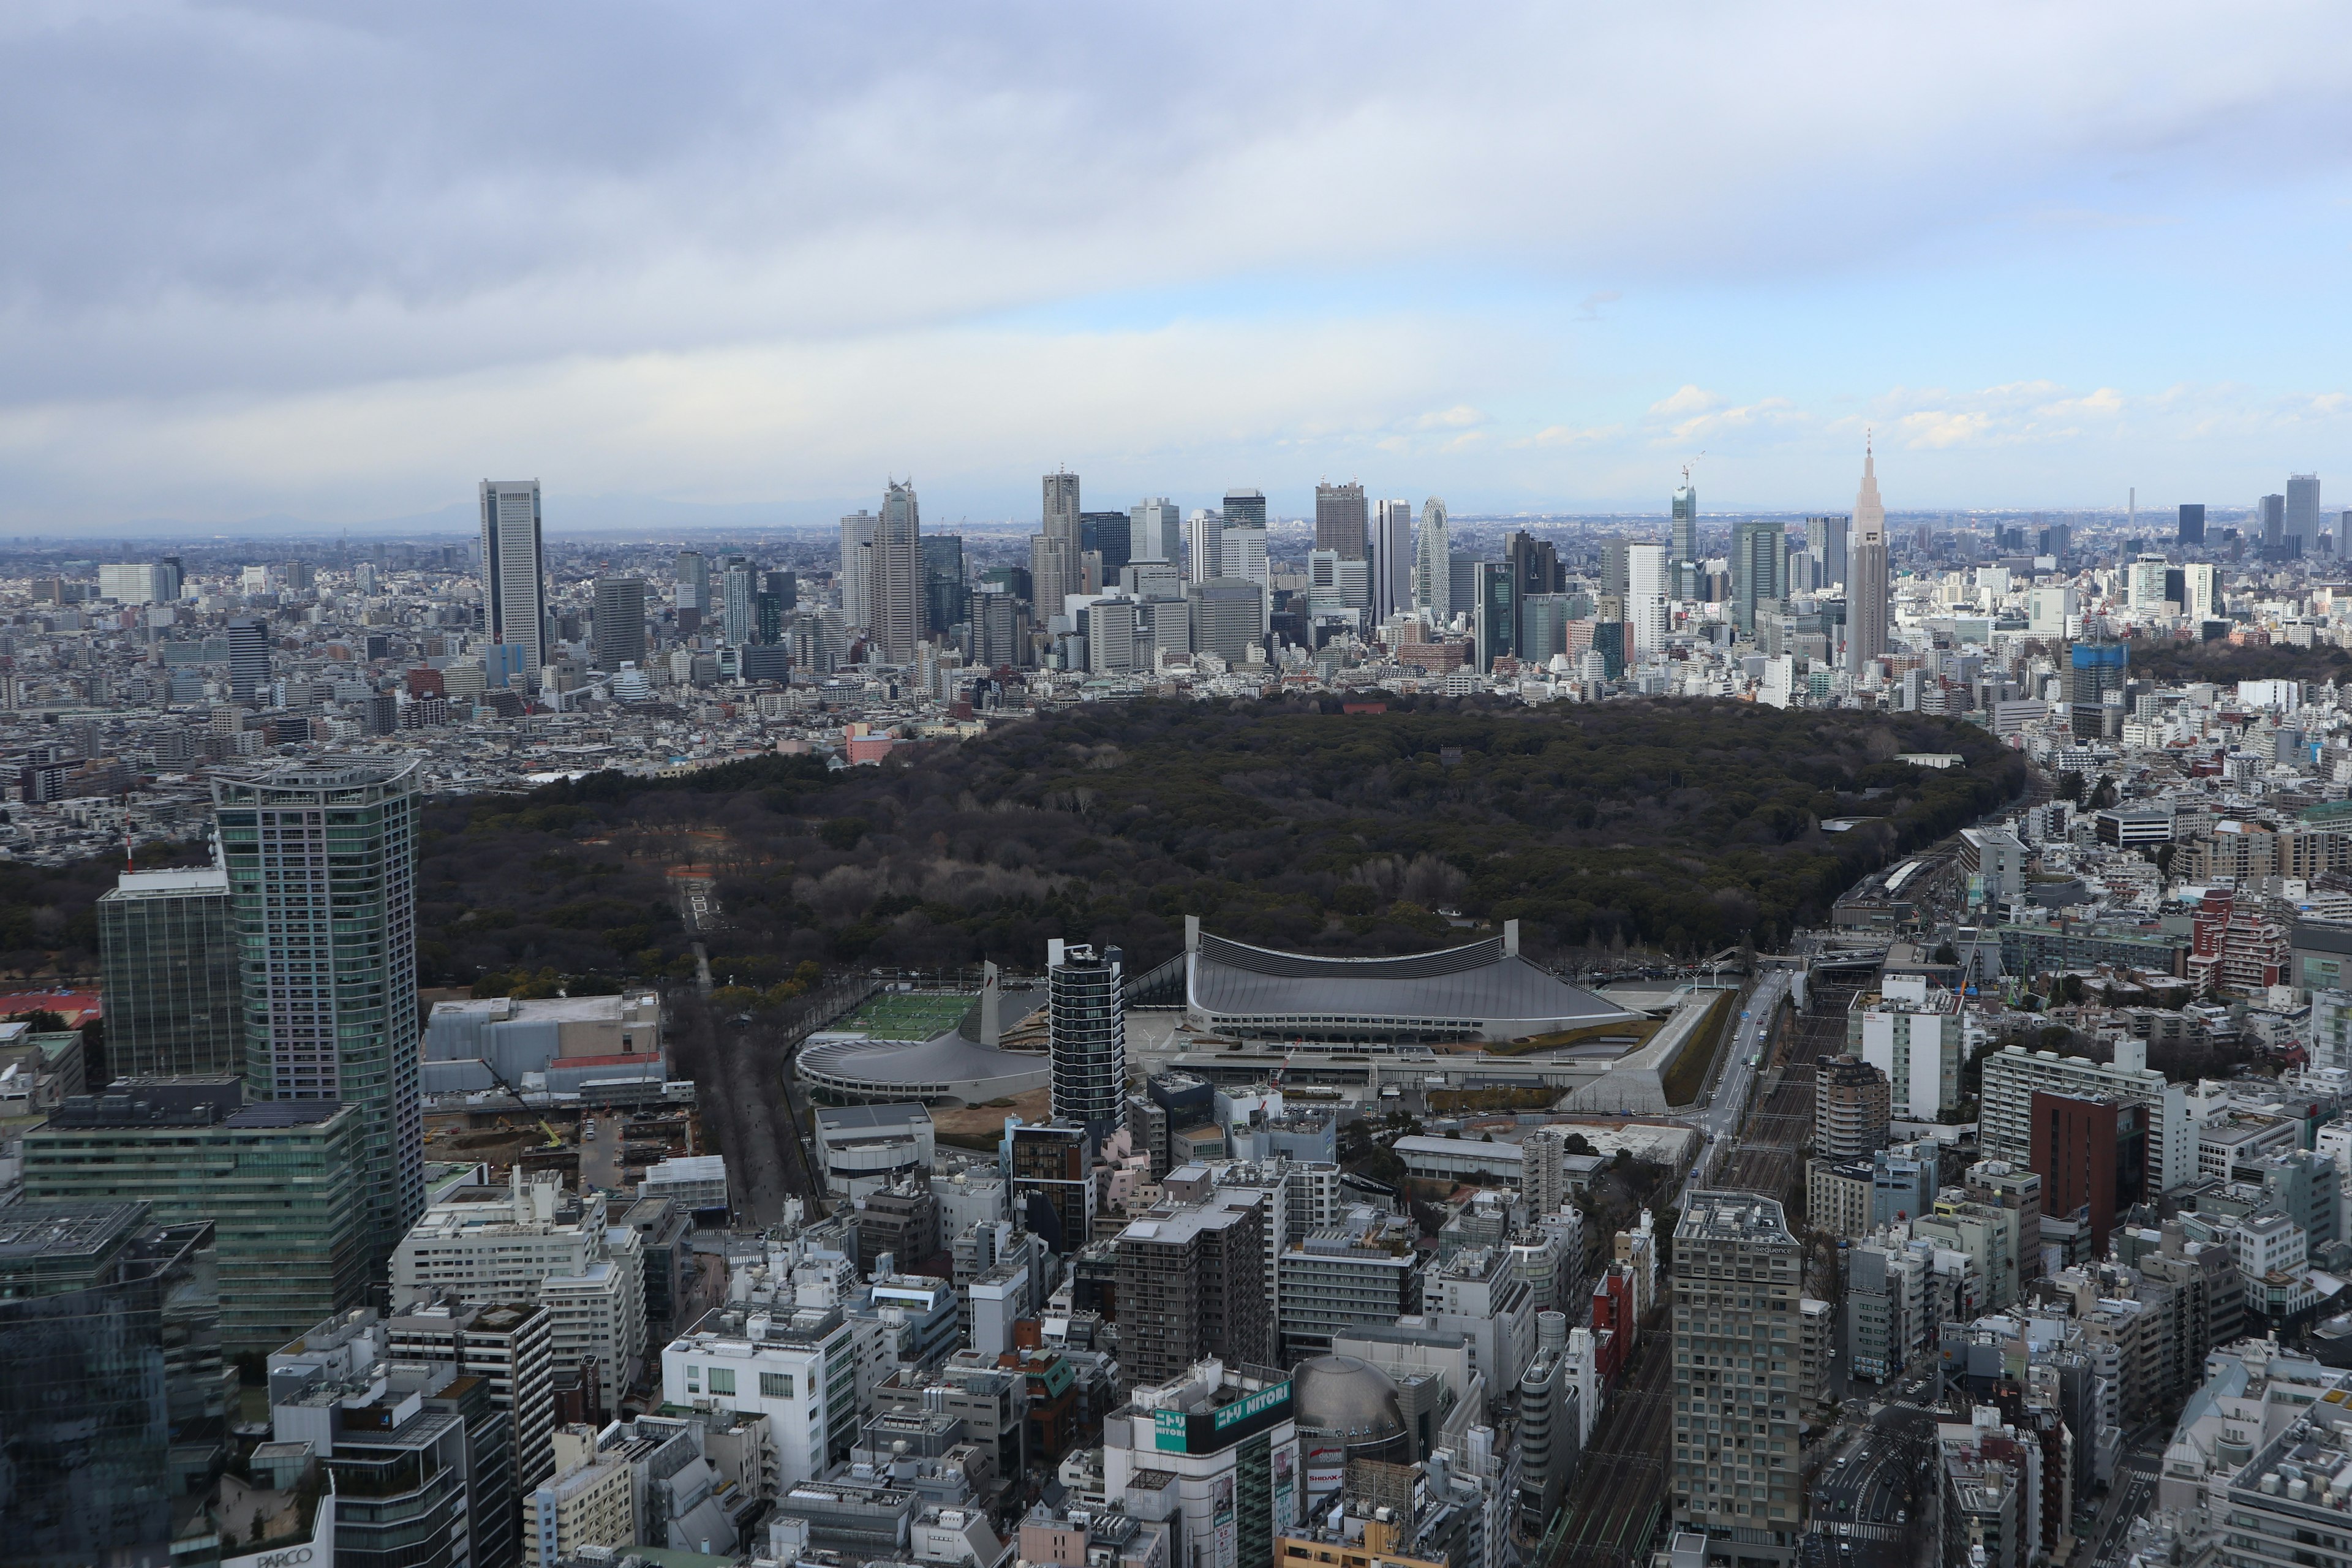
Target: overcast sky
(336,263)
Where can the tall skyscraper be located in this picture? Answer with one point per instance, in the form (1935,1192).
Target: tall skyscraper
(945,596)
(514,569)
(897,589)
(1683,541)
(2192,523)
(1760,570)
(322,856)
(1109,535)
(1205,546)
(1339,521)
(620,622)
(1245,507)
(738,592)
(1825,536)
(2271,510)
(857,570)
(2302,510)
(1738,1274)
(1087,1016)
(1054,574)
(692,574)
(248,658)
(1060,515)
(1432,585)
(1155,531)
(1391,545)
(1246,557)
(1496,622)
(1645,595)
(1865,587)
(168,949)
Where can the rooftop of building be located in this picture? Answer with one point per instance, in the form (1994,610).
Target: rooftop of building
(172,884)
(1714,1216)
(33,1234)
(551,1009)
(1476,982)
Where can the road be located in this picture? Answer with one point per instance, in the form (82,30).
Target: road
(600,1151)
(1875,1497)
(2132,1498)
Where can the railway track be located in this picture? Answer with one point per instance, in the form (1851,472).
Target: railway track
(1617,1504)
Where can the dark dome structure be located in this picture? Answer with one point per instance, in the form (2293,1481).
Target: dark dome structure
(1352,1401)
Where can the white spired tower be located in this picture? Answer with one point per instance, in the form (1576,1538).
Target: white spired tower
(1865,592)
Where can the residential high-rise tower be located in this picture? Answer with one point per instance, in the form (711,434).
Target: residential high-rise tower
(856,565)
(1087,1031)
(1865,587)
(321,858)
(1738,1274)
(514,569)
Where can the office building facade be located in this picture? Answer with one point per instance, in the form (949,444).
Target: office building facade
(1866,584)
(110,1395)
(321,863)
(168,950)
(620,623)
(277,1182)
(514,569)
(2192,523)
(1760,570)
(1392,560)
(1341,521)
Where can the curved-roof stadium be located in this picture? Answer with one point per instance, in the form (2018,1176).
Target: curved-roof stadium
(1483,991)
(861,1070)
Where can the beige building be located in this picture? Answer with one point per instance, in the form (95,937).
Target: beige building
(590,1504)
(1838,1196)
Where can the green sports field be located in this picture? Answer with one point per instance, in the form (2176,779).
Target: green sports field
(909,1015)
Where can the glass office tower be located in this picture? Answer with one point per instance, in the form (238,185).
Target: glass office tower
(167,948)
(112,1408)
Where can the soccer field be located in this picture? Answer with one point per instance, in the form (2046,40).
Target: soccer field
(909,1015)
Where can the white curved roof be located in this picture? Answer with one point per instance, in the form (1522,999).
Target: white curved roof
(1477,985)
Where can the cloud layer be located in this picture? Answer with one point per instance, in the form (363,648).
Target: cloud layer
(338,262)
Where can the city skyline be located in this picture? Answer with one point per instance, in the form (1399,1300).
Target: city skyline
(307,323)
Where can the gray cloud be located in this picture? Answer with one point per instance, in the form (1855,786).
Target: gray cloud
(230,218)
